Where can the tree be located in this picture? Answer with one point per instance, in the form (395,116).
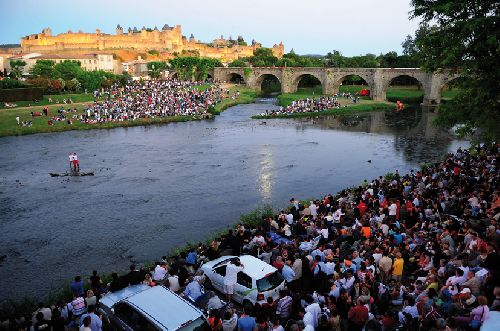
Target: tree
(237,63)
(409,46)
(464,39)
(68,69)
(155,68)
(16,68)
(45,69)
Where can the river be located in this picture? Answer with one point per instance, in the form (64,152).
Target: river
(156,187)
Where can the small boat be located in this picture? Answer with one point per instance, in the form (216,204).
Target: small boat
(72,173)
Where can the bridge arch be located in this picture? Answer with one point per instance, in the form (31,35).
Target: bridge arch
(407,82)
(415,78)
(365,78)
(448,84)
(265,77)
(235,77)
(306,77)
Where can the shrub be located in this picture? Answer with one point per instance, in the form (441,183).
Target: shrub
(8,83)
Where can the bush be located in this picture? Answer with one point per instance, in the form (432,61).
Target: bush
(8,83)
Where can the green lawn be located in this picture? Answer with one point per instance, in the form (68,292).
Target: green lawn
(76,98)
(247,95)
(9,127)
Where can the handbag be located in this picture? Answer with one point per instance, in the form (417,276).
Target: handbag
(476,324)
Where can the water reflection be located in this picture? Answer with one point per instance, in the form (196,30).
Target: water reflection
(415,135)
(265,171)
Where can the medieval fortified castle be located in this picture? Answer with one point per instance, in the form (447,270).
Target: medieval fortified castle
(168,39)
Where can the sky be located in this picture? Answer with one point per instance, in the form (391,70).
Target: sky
(353,27)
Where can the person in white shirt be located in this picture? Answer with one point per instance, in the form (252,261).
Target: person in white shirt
(160,272)
(231,277)
(307,319)
(71,159)
(289,218)
(314,309)
(173,283)
(313,209)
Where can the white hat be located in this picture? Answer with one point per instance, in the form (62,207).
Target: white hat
(465,290)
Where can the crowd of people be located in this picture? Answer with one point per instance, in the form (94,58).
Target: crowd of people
(141,99)
(151,99)
(412,252)
(312,105)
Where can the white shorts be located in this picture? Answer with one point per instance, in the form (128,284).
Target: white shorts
(229,289)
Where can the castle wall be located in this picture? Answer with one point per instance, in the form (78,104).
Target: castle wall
(169,39)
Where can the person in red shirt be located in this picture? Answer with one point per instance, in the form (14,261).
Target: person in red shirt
(358,315)
(362,208)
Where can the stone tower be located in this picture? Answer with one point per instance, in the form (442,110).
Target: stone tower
(47,32)
(119,30)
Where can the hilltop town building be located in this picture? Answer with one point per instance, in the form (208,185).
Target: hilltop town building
(168,39)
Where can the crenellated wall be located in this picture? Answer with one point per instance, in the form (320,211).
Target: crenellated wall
(169,38)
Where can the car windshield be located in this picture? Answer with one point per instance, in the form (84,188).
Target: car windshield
(269,282)
(197,324)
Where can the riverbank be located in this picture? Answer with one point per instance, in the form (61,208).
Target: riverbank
(9,127)
(363,106)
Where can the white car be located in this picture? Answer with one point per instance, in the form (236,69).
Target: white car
(257,277)
(140,307)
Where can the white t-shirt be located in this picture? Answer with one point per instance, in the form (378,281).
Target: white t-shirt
(313,209)
(315,310)
(75,157)
(393,209)
(289,219)
(71,158)
(232,274)
(159,273)
(173,282)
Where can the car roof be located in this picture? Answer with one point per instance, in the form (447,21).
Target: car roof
(110,299)
(159,304)
(165,307)
(254,267)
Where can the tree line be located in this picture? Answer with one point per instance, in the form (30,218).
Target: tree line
(65,76)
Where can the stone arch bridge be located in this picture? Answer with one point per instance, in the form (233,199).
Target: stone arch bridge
(378,79)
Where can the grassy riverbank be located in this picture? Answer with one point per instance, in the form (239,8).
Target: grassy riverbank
(9,127)
(405,94)
(247,95)
(357,108)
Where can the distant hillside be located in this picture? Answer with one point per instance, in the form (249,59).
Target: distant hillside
(314,55)
(10,45)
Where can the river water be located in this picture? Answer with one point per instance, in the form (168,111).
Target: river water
(157,187)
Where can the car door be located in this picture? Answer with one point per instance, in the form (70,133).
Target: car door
(130,319)
(122,316)
(243,286)
(218,277)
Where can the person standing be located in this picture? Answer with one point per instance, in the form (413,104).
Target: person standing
(76,164)
(231,278)
(71,159)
